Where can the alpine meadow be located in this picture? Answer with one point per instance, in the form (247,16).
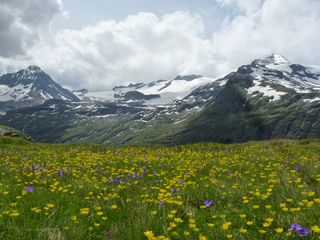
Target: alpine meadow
(257,190)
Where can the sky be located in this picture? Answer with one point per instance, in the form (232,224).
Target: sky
(99,44)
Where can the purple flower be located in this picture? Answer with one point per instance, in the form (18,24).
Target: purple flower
(29,188)
(161,204)
(115,180)
(303,232)
(300,231)
(295,227)
(136,176)
(174,191)
(297,167)
(128,176)
(60,172)
(207,203)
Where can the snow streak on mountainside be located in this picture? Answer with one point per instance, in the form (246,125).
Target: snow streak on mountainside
(163,91)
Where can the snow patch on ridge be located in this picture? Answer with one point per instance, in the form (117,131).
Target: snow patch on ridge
(267,91)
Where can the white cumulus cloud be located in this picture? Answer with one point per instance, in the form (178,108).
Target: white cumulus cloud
(141,48)
(146,47)
(290,28)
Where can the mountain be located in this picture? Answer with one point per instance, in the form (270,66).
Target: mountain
(28,87)
(159,92)
(266,99)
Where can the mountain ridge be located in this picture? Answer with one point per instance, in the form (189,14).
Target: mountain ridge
(266,99)
(29,87)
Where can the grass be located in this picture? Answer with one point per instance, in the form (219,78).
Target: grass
(257,189)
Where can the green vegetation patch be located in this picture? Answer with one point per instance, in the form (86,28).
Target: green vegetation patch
(258,190)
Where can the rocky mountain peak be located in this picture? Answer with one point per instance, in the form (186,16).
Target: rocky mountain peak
(275,59)
(33,68)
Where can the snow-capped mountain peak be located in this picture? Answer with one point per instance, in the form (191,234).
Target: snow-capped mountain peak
(275,76)
(33,69)
(31,86)
(274,59)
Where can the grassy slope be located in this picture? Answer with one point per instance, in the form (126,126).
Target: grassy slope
(6,131)
(256,179)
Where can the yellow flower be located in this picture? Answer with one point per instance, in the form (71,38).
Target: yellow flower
(243,216)
(262,231)
(14,214)
(243,230)
(269,220)
(249,223)
(186,233)
(210,225)
(201,237)
(279,230)
(315,229)
(266,224)
(226,225)
(50,205)
(311,194)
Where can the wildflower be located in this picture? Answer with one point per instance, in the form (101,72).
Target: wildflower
(300,231)
(315,229)
(297,167)
(207,203)
(243,230)
(161,204)
(29,189)
(279,230)
(294,227)
(136,176)
(201,237)
(226,225)
(60,172)
(303,232)
(174,191)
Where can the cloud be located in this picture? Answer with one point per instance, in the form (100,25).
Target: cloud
(244,5)
(21,23)
(290,28)
(146,47)
(141,48)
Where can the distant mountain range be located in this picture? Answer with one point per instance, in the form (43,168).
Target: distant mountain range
(269,98)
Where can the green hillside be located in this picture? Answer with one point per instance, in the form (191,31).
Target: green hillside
(248,191)
(9,135)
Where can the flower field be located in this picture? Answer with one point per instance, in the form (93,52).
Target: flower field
(258,190)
